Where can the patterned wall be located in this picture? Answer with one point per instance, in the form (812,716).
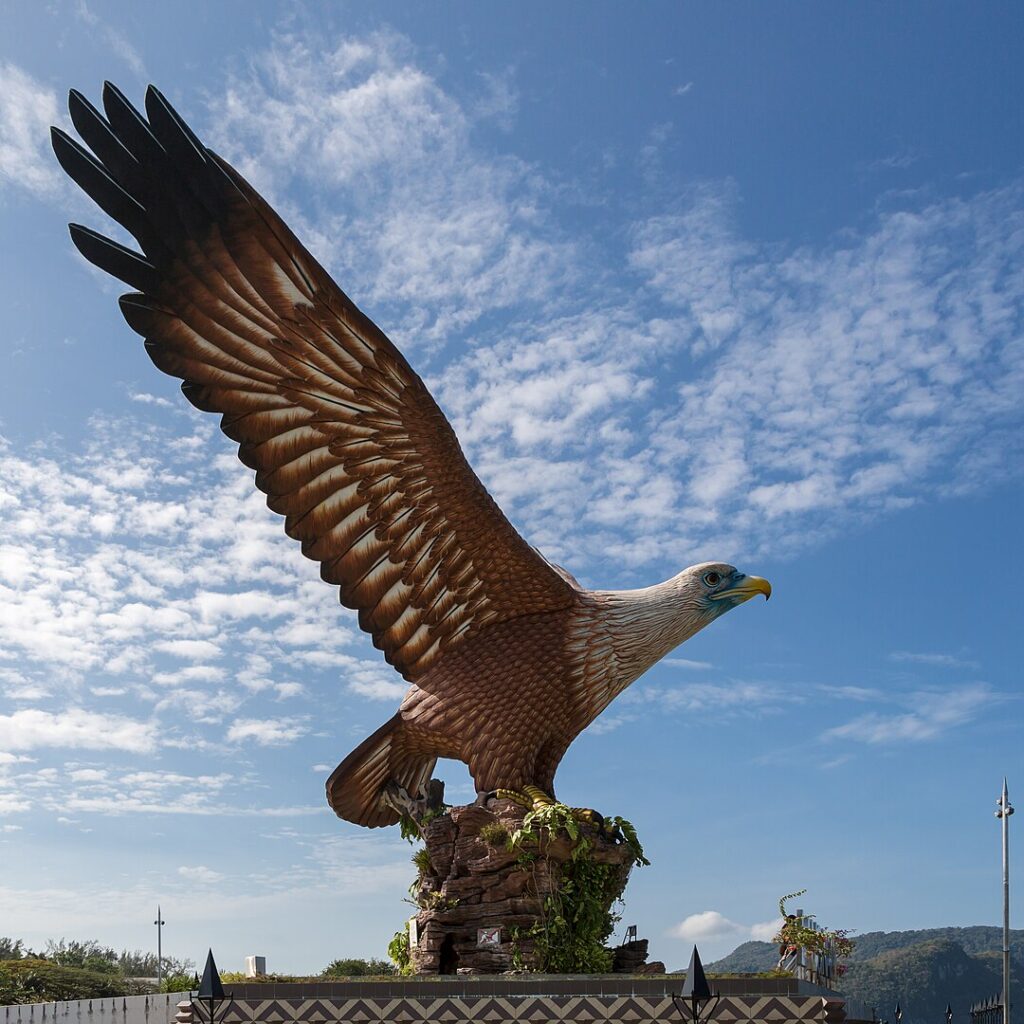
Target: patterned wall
(535,1009)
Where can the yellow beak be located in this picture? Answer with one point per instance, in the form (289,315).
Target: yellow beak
(745,589)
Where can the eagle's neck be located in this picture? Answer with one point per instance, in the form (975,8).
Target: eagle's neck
(646,624)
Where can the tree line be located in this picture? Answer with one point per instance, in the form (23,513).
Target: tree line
(84,969)
(67,969)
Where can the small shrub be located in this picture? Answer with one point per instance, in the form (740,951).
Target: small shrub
(494,834)
(421,859)
(179,983)
(43,982)
(238,978)
(357,968)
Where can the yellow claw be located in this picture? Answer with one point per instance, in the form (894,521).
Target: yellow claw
(538,796)
(515,796)
(532,797)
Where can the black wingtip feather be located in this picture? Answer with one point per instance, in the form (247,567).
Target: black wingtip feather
(162,114)
(100,138)
(179,142)
(130,126)
(197,394)
(97,183)
(137,311)
(114,258)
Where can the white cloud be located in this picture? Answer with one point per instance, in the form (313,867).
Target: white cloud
(248,604)
(113,38)
(931,715)
(766,930)
(606,723)
(117,792)
(705,925)
(721,697)
(433,231)
(265,732)
(935,659)
(27,109)
(710,924)
(194,650)
(75,728)
(147,399)
(11,803)
(377,687)
(201,874)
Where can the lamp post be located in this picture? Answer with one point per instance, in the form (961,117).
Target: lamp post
(159,922)
(1003,813)
(696,994)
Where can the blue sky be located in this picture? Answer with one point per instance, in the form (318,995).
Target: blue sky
(738,282)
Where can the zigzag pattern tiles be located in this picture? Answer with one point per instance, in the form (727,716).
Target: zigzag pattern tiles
(532,1009)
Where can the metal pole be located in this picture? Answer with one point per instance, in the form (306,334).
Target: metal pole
(159,922)
(1004,812)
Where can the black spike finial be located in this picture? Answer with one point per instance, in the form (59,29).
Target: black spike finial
(210,987)
(696,984)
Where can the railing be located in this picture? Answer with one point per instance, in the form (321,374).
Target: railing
(988,1011)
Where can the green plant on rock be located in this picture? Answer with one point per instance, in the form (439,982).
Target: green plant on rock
(412,828)
(399,952)
(494,834)
(409,829)
(577,916)
(421,860)
(435,901)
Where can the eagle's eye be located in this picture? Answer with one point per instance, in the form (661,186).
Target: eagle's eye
(712,579)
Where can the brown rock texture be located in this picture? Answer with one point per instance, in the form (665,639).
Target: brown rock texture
(475,882)
(629,957)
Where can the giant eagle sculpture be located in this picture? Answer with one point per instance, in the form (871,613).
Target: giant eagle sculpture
(508,659)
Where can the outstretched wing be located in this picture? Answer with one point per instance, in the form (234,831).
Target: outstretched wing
(346,441)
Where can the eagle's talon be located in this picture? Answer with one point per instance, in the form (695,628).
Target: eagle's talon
(538,797)
(514,795)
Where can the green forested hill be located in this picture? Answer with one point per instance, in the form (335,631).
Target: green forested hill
(926,976)
(923,970)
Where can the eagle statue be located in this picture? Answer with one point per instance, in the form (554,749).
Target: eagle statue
(507,657)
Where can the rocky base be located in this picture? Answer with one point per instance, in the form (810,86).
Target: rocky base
(479,901)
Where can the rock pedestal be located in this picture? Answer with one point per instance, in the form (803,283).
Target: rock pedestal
(479,899)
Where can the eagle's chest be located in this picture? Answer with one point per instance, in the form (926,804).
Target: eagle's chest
(516,677)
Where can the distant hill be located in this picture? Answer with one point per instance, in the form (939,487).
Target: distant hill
(747,958)
(924,970)
(925,977)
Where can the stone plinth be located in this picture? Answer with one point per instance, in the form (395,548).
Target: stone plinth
(479,899)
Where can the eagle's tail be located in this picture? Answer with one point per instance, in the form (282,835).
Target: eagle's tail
(355,789)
